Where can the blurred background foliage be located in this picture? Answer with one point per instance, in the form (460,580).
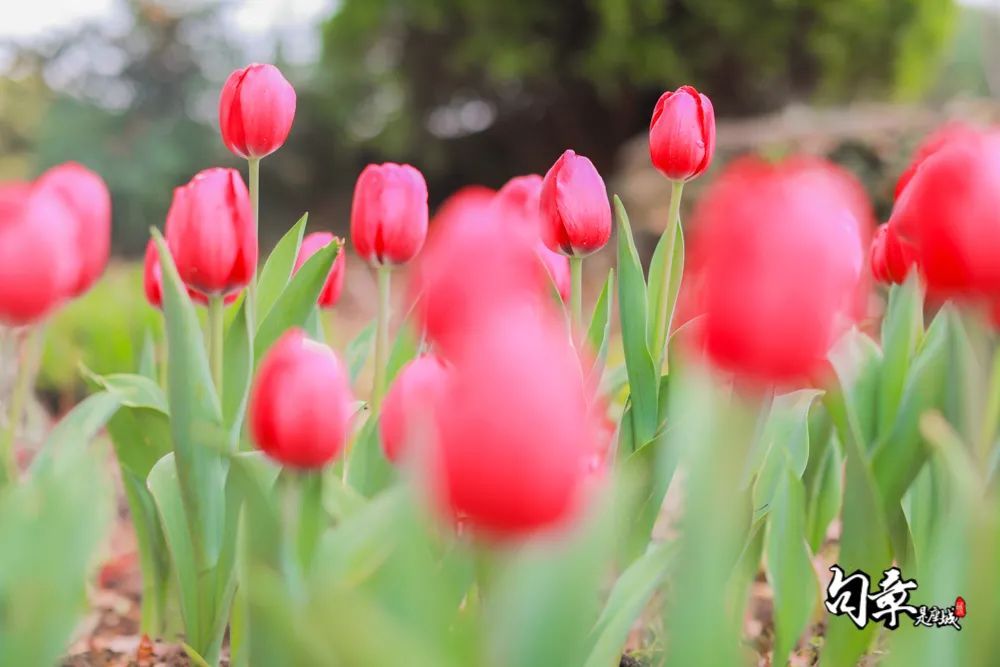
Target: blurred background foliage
(470,91)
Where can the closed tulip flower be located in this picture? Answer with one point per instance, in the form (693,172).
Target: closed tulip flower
(210,232)
(780,256)
(411,405)
(84,193)
(300,403)
(389,214)
(256,110)
(947,216)
(334,284)
(889,259)
(38,260)
(152,281)
(682,134)
(576,214)
(517,431)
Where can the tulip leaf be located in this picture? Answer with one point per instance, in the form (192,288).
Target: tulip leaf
(660,290)
(824,496)
(902,331)
(237,372)
(857,360)
(357,350)
(75,430)
(786,435)
(600,324)
(133,391)
(789,566)
(643,378)
(147,357)
(278,267)
(295,303)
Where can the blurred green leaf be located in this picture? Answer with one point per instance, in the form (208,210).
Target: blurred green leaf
(902,331)
(599,330)
(657,284)
(357,350)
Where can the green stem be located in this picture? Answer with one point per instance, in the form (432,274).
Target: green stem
(310,525)
(991,415)
(216,330)
(669,238)
(576,294)
(254,169)
(15,408)
(381,336)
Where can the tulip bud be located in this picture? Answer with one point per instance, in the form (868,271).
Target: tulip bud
(256,110)
(152,281)
(682,134)
(389,213)
(38,261)
(889,260)
(86,196)
(210,232)
(334,284)
(301,403)
(410,406)
(576,215)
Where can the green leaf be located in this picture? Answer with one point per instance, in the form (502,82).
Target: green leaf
(600,324)
(295,303)
(356,353)
(824,496)
(278,267)
(628,598)
(657,282)
(786,435)
(858,362)
(75,431)
(237,372)
(133,391)
(643,378)
(147,357)
(789,567)
(902,331)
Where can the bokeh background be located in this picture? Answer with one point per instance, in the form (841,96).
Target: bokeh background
(470,91)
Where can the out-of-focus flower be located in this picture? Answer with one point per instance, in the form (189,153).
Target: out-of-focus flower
(682,134)
(465,205)
(301,403)
(84,193)
(780,257)
(411,405)
(946,216)
(152,281)
(210,232)
(576,214)
(954,131)
(889,260)
(389,213)
(256,110)
(38,259)
(334,284)
(518,432)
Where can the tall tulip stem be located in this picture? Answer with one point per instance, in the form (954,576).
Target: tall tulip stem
(15,408)
(669,239)
(216,313)
(576,294)
(254,177)
(381,336)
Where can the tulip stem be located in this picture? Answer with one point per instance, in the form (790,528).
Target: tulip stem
(576,294)
(668,241)
(15,408)
(254,177)
(381,336)
(216,313)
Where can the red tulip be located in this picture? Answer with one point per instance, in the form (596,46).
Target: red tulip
(86,196)
(945,134)
(517,433)
(210,231)
(300,403)
(464,204)
(334,284)
(152,281)
(410,407)
(682,134)
(256,110)
(389,213)
(947,216)
(38,260)
(576,215)
(780,257)
(890,261)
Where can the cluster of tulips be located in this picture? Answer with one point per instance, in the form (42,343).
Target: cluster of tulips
(496,397)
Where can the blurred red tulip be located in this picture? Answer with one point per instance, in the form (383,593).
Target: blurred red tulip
(889,260)
(464,204)
(210,231)
(334,284)
(389,213)
(517,434)
(947,216)
(86,196)
(39,262)
(682,134)
(576,214)
(301,403)
(411,405)
(780,255)
(954,131)
(152,281)
(256,110)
